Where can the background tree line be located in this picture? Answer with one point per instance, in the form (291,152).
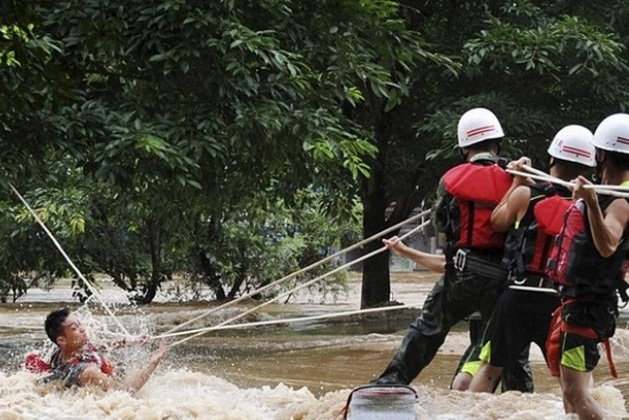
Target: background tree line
(238,141)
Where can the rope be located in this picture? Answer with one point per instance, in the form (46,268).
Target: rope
(74,267)
(301,271)
(301,286)
(600,189)
(587,186)
(284,321)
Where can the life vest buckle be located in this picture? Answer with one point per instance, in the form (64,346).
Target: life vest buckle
(518,282)
(460,259)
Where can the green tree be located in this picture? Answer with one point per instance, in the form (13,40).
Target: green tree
(255,246)
(177,110)
(28,257)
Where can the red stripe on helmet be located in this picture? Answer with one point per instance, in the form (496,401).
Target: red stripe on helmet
(576,151)
(480,130)
(622,140)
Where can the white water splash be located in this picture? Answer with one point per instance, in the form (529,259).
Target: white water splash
(183,395)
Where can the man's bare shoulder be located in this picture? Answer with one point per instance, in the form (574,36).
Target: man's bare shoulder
(620,210)
(521,193)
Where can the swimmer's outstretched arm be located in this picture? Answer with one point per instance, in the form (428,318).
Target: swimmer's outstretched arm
(93,375)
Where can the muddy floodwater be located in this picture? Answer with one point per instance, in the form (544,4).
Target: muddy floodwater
(288,371)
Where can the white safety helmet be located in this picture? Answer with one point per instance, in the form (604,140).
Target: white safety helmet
(613,134)
(476,125)
(574,144)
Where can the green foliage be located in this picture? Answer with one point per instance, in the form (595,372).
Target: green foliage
(27,256)
(254,247)
(147,133)
(164,116)
(539,67)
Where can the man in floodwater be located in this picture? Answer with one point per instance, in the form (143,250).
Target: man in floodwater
(589,265)
(473,278)
(532,214)
(77,362)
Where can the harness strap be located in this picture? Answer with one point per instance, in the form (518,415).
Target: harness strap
(590,333)
(465,261)
(610,360)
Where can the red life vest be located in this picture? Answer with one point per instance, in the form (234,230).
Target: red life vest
(576,263)
(34,363)
(527,247)
(477,189)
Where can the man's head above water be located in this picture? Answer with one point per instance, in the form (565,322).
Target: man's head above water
(64,329)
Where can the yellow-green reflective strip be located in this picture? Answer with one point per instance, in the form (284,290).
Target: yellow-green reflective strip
(471,367)
(574,358)
(485,352)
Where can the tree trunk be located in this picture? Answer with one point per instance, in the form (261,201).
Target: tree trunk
(148,293)
(154,234)
(212,278)
(376,287)
(241,276)
(211,275)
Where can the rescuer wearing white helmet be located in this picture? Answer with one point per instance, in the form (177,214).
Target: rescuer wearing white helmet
(596,230)
(574,143)
(612,134)
(532,214)
(478,125)
(473,277)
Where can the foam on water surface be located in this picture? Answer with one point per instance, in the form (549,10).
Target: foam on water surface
(181,395)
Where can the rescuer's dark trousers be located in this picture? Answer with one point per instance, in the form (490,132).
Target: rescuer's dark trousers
(454,297)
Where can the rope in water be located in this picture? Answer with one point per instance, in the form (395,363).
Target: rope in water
(301,286)
(286,320)
(67,258)
(301,271)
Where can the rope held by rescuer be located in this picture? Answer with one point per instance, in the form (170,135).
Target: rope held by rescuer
(541,176)
(287,320)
